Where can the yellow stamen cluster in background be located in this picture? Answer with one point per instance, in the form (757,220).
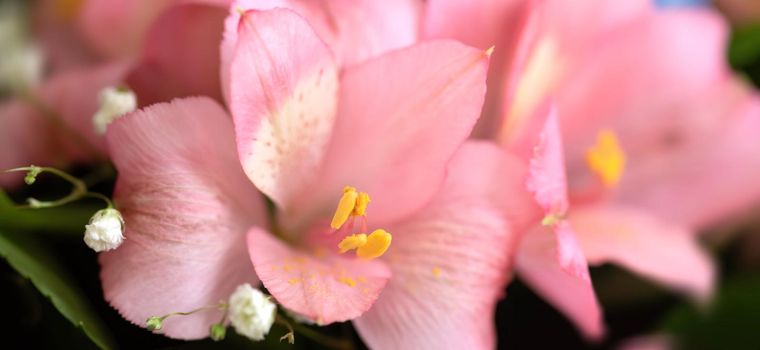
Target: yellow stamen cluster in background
(354,203)
(606,159)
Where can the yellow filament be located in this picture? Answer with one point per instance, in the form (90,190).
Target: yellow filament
(345,207)
(606,159)
(352,242)
(377,243)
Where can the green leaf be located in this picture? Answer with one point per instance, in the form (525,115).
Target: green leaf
(33,261)
(729,323)
(68,219)
(744,47)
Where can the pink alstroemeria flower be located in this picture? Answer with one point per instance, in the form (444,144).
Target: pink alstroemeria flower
(164,40)
(392,126)
(650,119)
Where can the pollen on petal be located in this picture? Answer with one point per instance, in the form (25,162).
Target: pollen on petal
(352,242)
(377,243)
(347,281)
(345,207)
(437,272)
(606,159)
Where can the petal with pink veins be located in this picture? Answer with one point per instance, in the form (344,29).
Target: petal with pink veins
(354,30)
(572,294)
(452,259)
(668,254)
(187,205)
(318,285)
(401,117)
(283,101)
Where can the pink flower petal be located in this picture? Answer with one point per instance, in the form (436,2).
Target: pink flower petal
(115,28)
(546,177)
(569,252)
(74,96)
(325,289)
(353,29)
(187,205)
(55,30)
(181,51)
(505,25)
(668,254)
(635,98)
(572,294)
(283,100)
(482,23)
(703,168)
(27,136)
(451,261)
(401,117)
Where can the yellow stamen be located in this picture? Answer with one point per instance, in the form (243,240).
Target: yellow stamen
(352,242)
(377,243)
(345,207)
(606,158)
(360,209)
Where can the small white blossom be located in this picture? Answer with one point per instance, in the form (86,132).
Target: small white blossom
(105,230)
(114,102)
(251,312)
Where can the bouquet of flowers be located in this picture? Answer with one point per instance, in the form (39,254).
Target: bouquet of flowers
(395,174)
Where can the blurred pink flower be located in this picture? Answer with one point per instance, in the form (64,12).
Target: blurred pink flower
(657,135)
(184,37)
(393,126)
(28,135)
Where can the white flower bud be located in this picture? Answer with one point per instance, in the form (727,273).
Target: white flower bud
(114,102)
(251,312)
(105,230)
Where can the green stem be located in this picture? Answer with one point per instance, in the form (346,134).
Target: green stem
(78,191)
(220,306)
